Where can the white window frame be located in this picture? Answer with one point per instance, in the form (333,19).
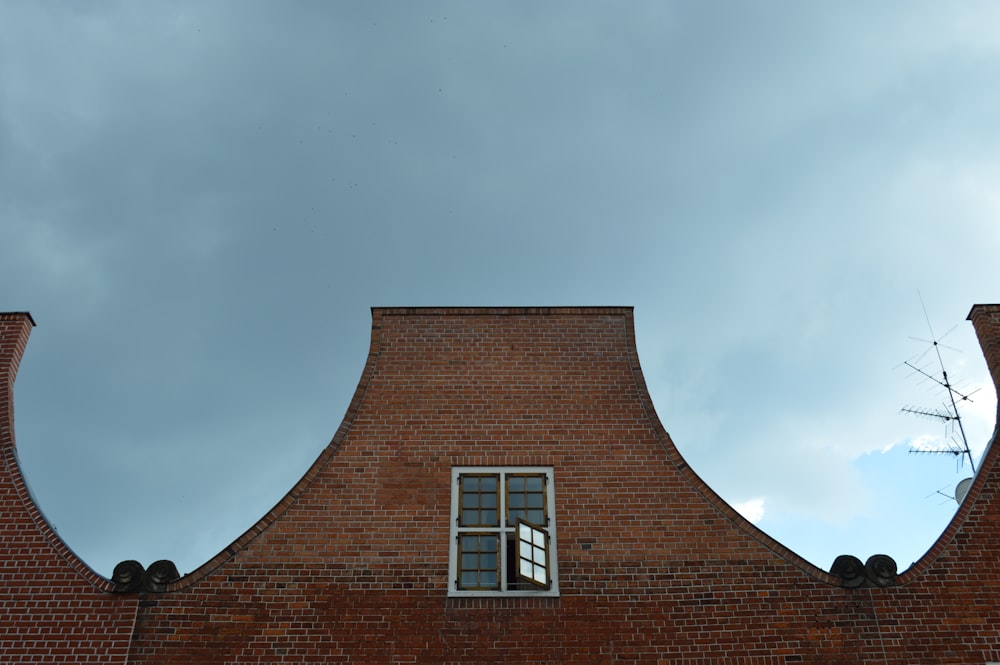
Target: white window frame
(504,530)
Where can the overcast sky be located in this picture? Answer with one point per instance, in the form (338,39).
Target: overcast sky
(200,201)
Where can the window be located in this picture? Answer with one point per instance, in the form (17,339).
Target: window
(503,532)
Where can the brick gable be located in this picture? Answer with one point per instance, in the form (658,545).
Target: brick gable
(353,564)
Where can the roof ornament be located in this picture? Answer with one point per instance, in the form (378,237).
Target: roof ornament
(878,571)
(130,577)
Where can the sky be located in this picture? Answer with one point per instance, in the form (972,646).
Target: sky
(201,201)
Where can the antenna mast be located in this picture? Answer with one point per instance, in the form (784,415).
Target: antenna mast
(949,413)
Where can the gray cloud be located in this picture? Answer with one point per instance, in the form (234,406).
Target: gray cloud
(204,200)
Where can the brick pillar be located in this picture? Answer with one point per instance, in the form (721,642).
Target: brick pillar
(986,320)
(15,327)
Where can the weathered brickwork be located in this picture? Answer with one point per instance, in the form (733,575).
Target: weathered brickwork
(353,565)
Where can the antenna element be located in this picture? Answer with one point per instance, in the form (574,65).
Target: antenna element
(949,412)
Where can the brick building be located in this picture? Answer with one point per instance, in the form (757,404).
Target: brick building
(500,490)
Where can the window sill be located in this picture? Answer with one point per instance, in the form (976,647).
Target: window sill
(504,594)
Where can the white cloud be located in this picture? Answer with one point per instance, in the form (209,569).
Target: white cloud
(753,509)
(926,443)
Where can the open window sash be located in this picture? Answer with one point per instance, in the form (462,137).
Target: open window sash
(533,555)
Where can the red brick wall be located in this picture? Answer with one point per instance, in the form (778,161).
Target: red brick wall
(352,566)
(53,608)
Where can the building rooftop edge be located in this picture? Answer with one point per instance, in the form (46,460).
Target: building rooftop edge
(503,311)
(24,313)
(981,306)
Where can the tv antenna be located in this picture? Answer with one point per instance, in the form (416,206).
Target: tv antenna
(948,412)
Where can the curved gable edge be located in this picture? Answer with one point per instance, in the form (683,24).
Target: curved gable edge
(15,328)
(286,502)
(986,318)
(720,504)
(663,436)
(986,321)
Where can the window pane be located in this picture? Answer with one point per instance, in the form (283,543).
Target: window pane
(479,500)
(526,498)
(532,553)
(478,561)
(526,568)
